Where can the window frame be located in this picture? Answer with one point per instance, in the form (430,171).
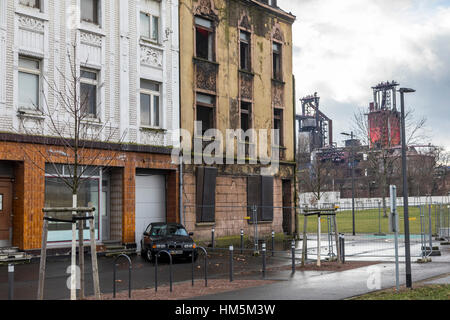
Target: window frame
(277,75)
(248,42)
(280,118)
(97,13)
(37,73)
(211,37)
(150,17)
(205,105)
(152,94)
(37,8)
(248,112)
(90,82)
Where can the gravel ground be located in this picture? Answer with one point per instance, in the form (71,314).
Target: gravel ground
(182,291)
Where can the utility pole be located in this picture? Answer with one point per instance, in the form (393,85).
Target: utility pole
(353,178)
(405,190)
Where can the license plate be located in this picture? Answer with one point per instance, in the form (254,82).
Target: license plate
(176,252)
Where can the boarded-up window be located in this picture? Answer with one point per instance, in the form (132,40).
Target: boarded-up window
(260,193)
(206,194)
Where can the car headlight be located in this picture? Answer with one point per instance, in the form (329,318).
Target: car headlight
(159,246)
(188,246)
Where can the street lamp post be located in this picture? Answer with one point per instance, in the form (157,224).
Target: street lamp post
(405,189)
(353,179)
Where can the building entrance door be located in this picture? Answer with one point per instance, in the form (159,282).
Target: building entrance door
(5,213)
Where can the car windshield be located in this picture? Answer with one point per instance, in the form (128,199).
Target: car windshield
(176,231)
(168,230)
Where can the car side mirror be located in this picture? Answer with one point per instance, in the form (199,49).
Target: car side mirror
(191,234)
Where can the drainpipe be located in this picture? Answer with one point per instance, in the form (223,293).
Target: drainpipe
(296,228)
(179,109)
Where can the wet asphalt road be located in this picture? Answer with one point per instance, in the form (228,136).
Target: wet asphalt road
(143,274)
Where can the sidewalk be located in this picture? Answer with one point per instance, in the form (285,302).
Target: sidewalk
(313,285)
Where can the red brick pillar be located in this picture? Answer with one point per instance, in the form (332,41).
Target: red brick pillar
(129,202)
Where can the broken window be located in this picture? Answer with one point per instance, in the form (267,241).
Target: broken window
(204,38)
(245,51)
(278,126)
(277,73)
(206,194)
(205,112)
(246,116)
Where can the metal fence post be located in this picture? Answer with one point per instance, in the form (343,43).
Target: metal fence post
(293,255)
(213,241)
(342,247)
(264,260)
(430,229)
(11,282)
(129,274)
(242,241)
(255,221)
(273,243)
(231,263)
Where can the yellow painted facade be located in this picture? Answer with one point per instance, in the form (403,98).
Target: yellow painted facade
(266,25)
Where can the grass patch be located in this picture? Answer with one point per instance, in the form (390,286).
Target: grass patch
(427,292)
(371,221)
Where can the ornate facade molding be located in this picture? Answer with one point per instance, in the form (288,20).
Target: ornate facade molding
(205,8)
(31,24)
(244,22)
(277,34)
(91,39)
(151,57)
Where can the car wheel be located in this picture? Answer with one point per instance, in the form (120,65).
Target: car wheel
(148,255)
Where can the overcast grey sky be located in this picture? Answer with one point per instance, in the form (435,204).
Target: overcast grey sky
(344,47)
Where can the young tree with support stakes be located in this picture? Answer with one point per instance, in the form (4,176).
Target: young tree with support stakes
(71,135)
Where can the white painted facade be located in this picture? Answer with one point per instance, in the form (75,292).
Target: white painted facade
(113,48)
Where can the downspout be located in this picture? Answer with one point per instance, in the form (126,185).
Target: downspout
(296,216)
(179,106)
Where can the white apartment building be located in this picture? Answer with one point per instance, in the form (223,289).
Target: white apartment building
(127,59)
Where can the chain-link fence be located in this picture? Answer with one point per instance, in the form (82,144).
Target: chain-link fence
(367,232)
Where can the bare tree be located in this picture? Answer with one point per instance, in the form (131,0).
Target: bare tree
(317,177)
(71,135)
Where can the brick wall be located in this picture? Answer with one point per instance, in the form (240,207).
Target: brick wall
(231,208)
(29,186)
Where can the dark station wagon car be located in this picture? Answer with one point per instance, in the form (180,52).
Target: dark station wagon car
(170,237)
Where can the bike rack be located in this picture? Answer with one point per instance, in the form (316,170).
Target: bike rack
(206,266)
(129,274)
(156,269)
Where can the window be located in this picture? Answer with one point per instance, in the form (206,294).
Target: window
(245,51)
(90,11)
(29,82)
(277,74)
(88,92)
(246,116)
(150,104)
(31,3)
(149,26)
(278,126)
(204,39)
(206,181)
(260,193)
(205,112)
(58,195)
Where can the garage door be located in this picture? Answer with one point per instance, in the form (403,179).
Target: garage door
(150,203)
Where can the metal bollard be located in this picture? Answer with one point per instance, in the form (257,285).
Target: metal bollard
(342,247)
(293,256)
(129,274)
(231,263)
(11,282)
(264,260)
(213,241)
(242,241)
(170,270)
(273,243)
